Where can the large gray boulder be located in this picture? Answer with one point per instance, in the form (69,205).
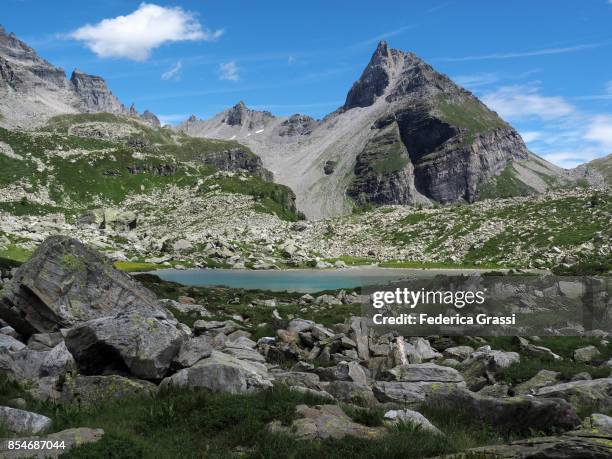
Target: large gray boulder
(589,394)
(325,421)
(513,414)
(29,364)
(419,372)
(23,422)
(145,345)
(222,373)
(66,283)
(91,390)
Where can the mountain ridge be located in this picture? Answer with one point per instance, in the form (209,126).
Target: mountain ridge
(445,144)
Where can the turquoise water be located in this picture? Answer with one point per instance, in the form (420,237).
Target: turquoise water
(296,280)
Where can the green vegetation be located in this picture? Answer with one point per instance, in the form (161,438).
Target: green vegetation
(136,266)
(197,423)
(470,115)
(392,161)
(563,346)
(505,185)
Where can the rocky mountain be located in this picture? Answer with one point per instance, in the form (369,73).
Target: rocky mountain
(405,135)
(600,168)
(32,90)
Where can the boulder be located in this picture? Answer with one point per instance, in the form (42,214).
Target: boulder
(65,283)
(419,350)
(512,414)
(90,390)
(222,373)
(596,393)
(542,379)
(30,364)
(571,445)
(359,334)
(458,352)
(412,417)
(586,354)
(324,421)
(23,422)
(410,394)
(192,351)
(351,392)
(71,438)
(144,345)
(423,372)
(601,421)
(9,343)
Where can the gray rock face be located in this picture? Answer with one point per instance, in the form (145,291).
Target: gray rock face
(237,159)
(582,394)
(222,373)
(151,118)
(66,283)
(23,422)
(90,390)
(192,351)
(297,125)
(373,80)
(429,372)
(325,421)
(142,344)
(94,94)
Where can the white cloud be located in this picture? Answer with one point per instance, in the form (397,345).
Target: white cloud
(600,131)
(530,136)
(514,55)
(569,159)
(521,102)
(173,73)
(137,34)
(172,118)
(228,71)
(609,83)
(476,80)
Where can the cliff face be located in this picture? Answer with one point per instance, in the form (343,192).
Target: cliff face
(32,90)
(94,94)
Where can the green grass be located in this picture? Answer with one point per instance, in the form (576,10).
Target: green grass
(470,115)
(505,185)
(563,346)
(352,261)
(136,266)
(14,253)
(197,423)
(408,264)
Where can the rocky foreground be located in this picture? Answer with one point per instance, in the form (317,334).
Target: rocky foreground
(78,331)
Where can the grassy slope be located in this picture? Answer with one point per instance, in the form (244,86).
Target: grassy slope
(558,222)
(76,182)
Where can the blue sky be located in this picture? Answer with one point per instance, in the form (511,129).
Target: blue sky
(545,66)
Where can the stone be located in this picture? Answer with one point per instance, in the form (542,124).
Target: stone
(517,414)
(23,422)
(542,378)
(222,373)
(70,437)
(321,422)
(94,390)
(9,343)
(420,372)
(359,333)
(193,350)
(601,421)
(459,353)
(351,392)
(30,364)
(582,394)
(65,283)
(586,354)
(419,350)
(571,445)
(410,394)
(412,417)
(141,344)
